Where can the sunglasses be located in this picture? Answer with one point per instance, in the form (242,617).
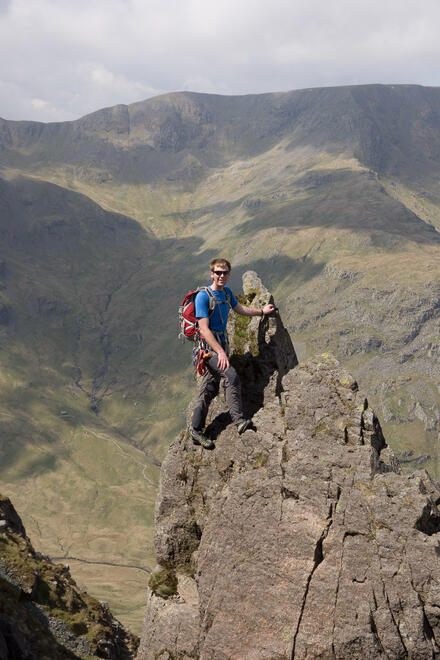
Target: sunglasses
(221,272)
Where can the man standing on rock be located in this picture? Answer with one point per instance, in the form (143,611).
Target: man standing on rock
(212,327)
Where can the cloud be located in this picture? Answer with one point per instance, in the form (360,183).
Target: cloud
(39,104)
(82,56)
(4,6)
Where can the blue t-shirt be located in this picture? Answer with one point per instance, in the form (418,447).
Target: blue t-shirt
(219,317)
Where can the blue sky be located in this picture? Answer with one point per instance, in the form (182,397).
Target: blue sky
(61,59)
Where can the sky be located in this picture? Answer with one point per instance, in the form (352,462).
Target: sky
(61,59)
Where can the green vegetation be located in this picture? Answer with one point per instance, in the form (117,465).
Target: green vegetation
(260,461)
(241,333)
(51,587)
(320,428)
(163,582)
(242,341)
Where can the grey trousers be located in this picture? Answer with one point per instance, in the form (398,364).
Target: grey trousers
(209,389)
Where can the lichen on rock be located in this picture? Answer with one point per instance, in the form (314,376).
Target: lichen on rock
(304,537)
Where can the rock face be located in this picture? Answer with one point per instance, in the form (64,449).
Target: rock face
(43,613)
(300,538)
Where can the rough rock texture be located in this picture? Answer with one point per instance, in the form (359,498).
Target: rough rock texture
(43,614)
(395,327)
(300,538)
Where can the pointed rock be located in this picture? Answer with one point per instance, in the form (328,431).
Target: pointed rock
(300,538)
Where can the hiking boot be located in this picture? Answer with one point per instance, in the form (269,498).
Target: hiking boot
(243,426)
(200,439)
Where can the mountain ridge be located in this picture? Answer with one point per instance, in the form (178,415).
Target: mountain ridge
(285,108)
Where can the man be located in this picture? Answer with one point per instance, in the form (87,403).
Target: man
(213,331)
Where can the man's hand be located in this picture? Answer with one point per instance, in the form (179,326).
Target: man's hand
(222,361)
(268,309)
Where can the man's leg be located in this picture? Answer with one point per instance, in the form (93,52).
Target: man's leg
(208,391)
(233,395)
(232,390)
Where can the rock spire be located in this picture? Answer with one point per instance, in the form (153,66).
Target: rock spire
(299,539)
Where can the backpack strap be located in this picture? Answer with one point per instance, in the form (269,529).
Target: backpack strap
(212,299)
(222,337)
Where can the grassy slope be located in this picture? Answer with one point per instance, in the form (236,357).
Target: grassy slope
(304,197)
(29,581)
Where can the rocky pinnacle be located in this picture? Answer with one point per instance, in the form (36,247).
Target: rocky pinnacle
(299,539)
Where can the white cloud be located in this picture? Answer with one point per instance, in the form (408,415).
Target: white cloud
(101,76)
(38,103)
(81,56)
(4,6)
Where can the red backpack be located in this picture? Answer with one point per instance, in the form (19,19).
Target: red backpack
(189,328)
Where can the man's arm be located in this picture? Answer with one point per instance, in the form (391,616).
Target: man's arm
(252,311)
(208,336)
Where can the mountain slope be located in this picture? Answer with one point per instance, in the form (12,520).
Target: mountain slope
(78,295)
(105,223)
(43,613)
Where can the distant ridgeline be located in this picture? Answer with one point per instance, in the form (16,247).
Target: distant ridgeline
(299,539)
(330,194)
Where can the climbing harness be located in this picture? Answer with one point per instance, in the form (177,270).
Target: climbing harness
(200,357)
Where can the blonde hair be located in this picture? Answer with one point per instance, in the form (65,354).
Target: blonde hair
(220,262)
